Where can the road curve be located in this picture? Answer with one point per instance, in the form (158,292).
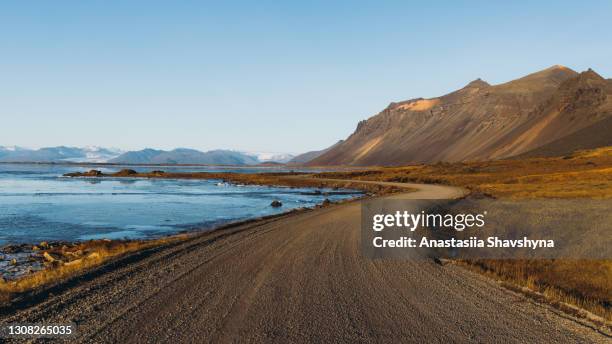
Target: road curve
(298,278)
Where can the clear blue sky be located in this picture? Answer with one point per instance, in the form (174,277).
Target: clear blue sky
(263,76)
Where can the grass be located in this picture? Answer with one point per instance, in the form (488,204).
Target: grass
(585,174)
(584,283)
(288,179)
(71,260)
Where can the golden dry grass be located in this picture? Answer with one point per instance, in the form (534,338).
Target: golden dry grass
(74,260)
(585,174)
(584,283)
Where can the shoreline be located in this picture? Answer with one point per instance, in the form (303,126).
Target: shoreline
(29,297)
(24,261)
(251,262)
(194,239)
(278,179)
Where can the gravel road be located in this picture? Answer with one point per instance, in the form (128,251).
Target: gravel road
(296,278)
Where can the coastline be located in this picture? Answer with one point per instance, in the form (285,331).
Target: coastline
(142,249)
(238,270)
(384,182)
(33,268)
(281,179)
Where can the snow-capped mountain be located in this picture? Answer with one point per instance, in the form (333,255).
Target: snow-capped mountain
(58,154)
(97,154)
(94,154)
(269,157)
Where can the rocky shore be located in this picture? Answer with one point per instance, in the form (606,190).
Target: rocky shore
(20,260)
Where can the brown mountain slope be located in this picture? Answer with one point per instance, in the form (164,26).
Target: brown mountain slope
(478,122)
(593,136)
(579,102)
(308,156)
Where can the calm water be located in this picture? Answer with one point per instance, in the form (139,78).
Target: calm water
(37,204)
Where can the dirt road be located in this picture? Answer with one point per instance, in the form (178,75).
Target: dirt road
(297,278)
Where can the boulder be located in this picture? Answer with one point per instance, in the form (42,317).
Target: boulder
(126,172)
(276,203)
(93,173)
(48,257)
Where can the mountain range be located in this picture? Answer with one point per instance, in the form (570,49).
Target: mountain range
(553,111)
(185,156)
(57,154)
(145,156)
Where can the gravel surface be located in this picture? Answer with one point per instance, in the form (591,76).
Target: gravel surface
(297,278)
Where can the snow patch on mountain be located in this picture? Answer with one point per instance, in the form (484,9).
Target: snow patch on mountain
(271,156)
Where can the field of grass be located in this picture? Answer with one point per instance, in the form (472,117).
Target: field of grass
(586,174)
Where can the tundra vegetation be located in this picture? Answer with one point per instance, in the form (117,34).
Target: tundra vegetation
(583,174)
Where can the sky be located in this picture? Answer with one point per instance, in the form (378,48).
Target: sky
(275,76)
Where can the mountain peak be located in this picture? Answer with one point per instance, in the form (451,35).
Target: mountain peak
(546,79)
(591,74)
(553,72)
(588,79)
(478,83)
(557,67)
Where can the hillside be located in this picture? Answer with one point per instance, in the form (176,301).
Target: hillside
(308,156)
(479,121)
(593,136)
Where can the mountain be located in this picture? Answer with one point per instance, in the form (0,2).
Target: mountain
(593,136)
(57,154)
(479,121)
(96,154)
(137,157)
(186,156)
(272,157)
(308,156)
(146,156)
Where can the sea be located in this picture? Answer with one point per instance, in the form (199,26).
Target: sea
(38,204)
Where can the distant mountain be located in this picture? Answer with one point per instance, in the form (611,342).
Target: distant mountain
(186,156)
(145,156)
(57,154)
(272,157)
(137,157)
(482,121)
(308,156)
